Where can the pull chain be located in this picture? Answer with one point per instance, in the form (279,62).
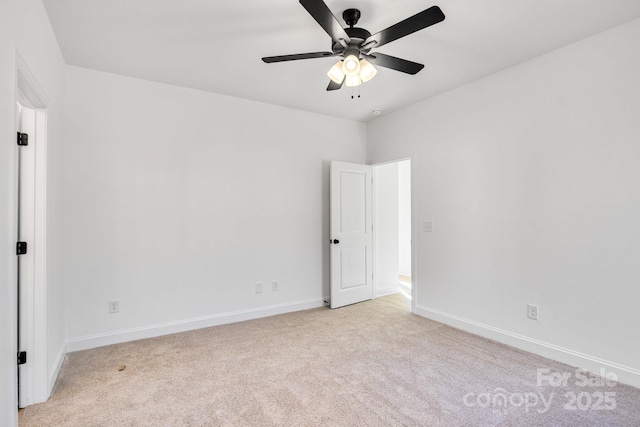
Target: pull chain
(352,97)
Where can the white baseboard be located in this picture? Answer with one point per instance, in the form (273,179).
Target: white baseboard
(625,374)
(387,291)
(54,370)
(126,335)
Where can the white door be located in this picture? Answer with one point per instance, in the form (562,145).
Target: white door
(351,234)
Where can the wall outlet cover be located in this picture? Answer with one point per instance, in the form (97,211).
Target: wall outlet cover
(114,306)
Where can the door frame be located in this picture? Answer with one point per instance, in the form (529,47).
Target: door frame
(28,91)
(414,270)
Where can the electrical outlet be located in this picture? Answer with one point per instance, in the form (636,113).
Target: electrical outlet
(114,307)
(259,288)
(532,311)
(275,286)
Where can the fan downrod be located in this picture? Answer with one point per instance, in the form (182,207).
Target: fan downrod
(351,16)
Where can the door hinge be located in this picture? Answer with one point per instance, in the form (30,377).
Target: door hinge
(22,357)
(23,139)
(21,248)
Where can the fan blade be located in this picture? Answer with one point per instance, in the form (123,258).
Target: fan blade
(417,22)
(394,63)
(335,86)
(295,57)
(321,13)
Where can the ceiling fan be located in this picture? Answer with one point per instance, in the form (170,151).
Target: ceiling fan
(354,44)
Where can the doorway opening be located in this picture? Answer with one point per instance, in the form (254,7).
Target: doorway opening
(392,230)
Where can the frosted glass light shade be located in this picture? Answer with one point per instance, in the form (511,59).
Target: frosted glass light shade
(351,65)
(336,74)
(352,81)
(367,71)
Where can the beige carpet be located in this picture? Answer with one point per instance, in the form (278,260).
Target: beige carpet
(370,364)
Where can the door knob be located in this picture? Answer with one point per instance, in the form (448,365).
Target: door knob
(335,241)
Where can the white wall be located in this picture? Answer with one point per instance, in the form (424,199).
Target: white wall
(531,179)
(178,201)
(386,216)
(24,26)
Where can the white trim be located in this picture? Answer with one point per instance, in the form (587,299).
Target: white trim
(55,368)
(41,390)
(28,84)
(391,290)
(374,231)
(625,374)
(132,334)
(11,370)
(29,92)
(414,234)
(405,272)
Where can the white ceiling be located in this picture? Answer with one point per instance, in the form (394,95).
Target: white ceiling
(217,45)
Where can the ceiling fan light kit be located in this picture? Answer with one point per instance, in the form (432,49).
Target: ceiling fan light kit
(354,44)
(367,71)
(336,74)
(351,65)
(356,72)
(352,81)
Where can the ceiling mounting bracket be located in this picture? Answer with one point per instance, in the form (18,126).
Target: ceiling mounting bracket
(351,16)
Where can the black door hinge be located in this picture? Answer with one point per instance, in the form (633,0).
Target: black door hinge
(22,357)
(23,139)
(21,248)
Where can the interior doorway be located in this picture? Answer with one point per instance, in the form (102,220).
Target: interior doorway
(392,230)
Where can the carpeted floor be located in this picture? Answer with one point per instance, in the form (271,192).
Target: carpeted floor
(369,364)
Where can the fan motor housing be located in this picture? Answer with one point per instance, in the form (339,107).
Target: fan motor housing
(357,36)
